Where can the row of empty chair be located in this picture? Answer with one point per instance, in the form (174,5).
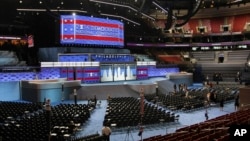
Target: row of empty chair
(29,122)
(12,110)
(237,23)
(207,56)
(230,56)
(228,70)
(177,102)
(234,62)
(196,98)
(238,56)
(126,112)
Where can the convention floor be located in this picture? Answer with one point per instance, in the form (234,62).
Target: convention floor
(94,124)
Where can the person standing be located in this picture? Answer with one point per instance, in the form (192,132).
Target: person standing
(186,93)
(106,132)
(206,115)
(109,98)
(175,87)
(95,100)
(207,80)
(236,103)
(48,108)
(208,98)
(221,104)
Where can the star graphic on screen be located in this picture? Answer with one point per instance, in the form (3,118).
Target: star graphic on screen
(68,37)
(68,21)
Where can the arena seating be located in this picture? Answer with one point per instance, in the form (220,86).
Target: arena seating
(170,58)
(228,70)
(215,25)
(125,112)
(193,24)
(209,56)
(239,23)
(16,109)
(28,121)
(142,57)
(234,62)
(64,113)
(196,97)
(179,102)
(215,129)
(8,58)
(238,56)
(203,57)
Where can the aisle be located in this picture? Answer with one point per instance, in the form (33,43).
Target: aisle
(95,122)
(186,119)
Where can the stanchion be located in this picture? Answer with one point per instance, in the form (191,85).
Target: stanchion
(75,96)
(62,96)
(141,112)
(128,135)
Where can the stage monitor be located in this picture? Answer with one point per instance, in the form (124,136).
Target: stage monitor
(84,30)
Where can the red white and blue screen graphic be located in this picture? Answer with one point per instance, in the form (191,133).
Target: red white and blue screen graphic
(77,29)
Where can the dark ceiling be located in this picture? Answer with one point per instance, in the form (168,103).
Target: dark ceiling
(41,17)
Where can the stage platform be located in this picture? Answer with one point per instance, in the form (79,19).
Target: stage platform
(38,90)
(120,88)
(61,89)
(53,89)
(133,88)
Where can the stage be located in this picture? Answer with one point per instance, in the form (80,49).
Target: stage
(62,89)
(59,89)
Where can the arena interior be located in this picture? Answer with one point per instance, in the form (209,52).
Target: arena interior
(151,70)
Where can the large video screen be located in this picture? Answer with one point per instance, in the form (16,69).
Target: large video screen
(85,30)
